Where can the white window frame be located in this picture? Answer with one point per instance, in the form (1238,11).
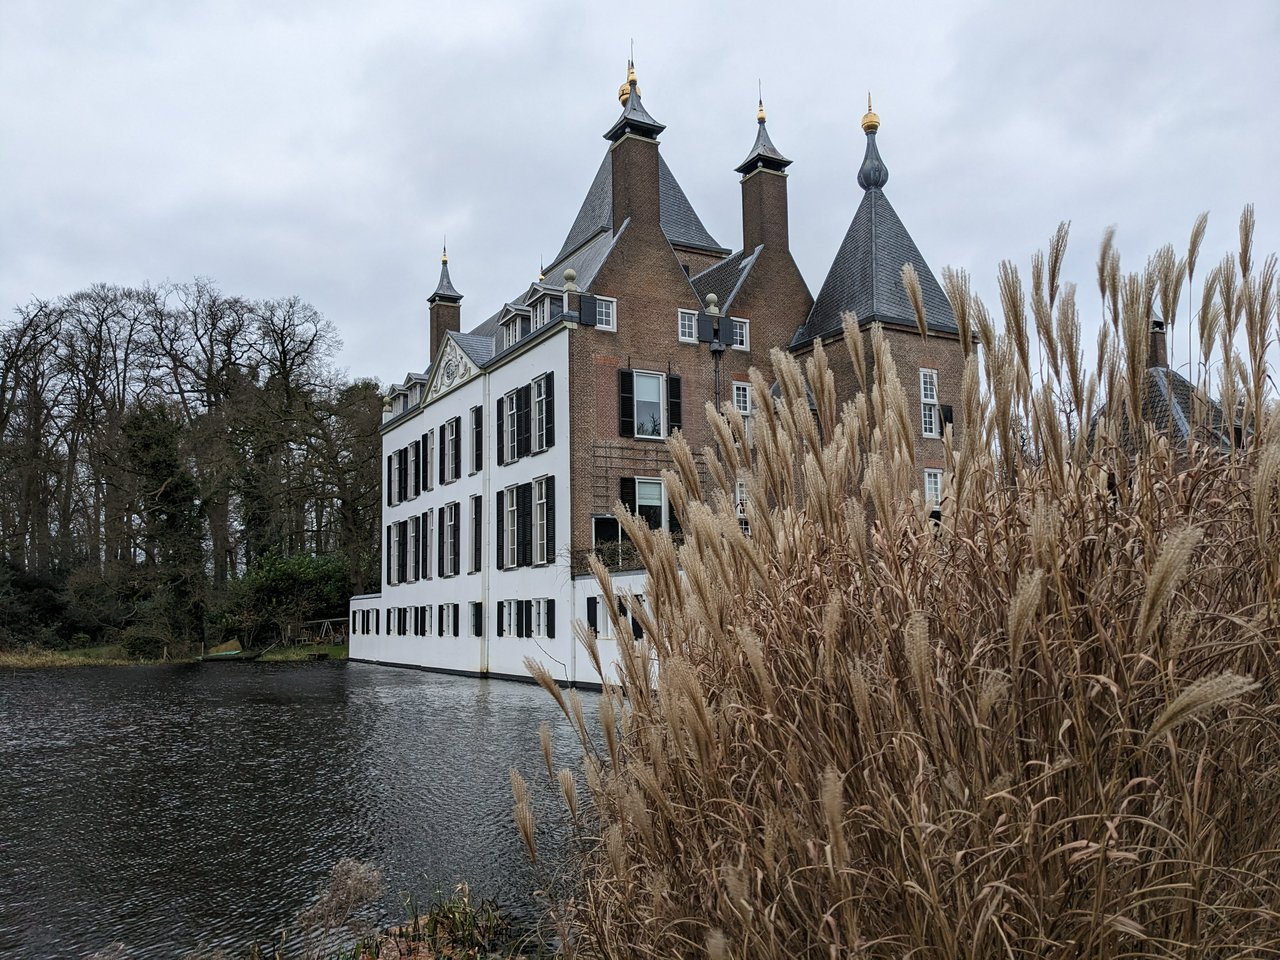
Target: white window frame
(540,312)
(932,478)
(687,334)
(662,405)
(393,568)
(612,325)
(511,427)
(512,529)
(510,332)
(604,622)
(930,425)
(739,324)
(449,448)
(662,497)
(430,473)
(449,611)
(539,524)
(741,506)
(742,398)
(428,543)
(509,618)
(413,455)
(413,554)
(450,539)
(538,416)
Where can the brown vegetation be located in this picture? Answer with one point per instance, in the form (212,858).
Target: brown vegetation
(1043,725)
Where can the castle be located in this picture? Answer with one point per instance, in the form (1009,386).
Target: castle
(506,457)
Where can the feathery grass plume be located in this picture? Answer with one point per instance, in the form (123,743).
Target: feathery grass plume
(911,283)
(1193,245)
(1246,241)
(1199,698)
(853,342)
(1042,310)
(1105,250)
(1057,253)
(1166,575)
(1089,586)
(523,813)
(955,283)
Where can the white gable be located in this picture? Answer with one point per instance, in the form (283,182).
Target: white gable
(454,369)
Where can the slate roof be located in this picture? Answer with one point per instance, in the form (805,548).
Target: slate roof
(679,222)
(763,154)
(634,118)
(478,348)
(725,278)
(1169,403)
(866,275)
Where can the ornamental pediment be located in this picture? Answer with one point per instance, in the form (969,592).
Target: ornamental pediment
(454,369)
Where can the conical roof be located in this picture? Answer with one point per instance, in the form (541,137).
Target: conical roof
(444,289)
(866,275)
(763,152)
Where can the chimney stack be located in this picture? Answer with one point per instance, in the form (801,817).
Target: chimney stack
(635,160)
(764,192)
(1157,345)
(446,308)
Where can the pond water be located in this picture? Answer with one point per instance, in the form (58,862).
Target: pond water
(166,808)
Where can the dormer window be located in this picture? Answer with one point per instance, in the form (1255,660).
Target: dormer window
(510,332)
(541,312)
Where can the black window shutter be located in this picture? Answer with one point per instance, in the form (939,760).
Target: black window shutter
(528,618)
(428,444)
(706,328)
(626,404)
(551,618)
(500,624)
(440,545)
(551,518)
(523,419)
(592,616)
(477,611)
(457,447)
(456,618)
(587,311)
(502,432)
(501,531)
(402,472)
(674,406)
(549,422)
(524,523)
(444,451)
(417,467)
(627,492)
(390,558)
(391,478)
(457,539)
(477,438)
(477,543)
(440,620)
(402,552)
(672,523)
(519,617)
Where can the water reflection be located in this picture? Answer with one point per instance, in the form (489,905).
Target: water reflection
(170,807)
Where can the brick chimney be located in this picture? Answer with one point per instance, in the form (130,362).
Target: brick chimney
(446,308)
(764,193)
(1157,346)
(635,160)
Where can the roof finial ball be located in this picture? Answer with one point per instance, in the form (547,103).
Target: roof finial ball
(713,307)
(624,91)
(870,120)
(570,278)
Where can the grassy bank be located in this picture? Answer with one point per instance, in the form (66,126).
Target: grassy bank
(36,658)
(309,651)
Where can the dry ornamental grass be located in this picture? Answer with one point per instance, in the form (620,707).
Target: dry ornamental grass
(1044,725)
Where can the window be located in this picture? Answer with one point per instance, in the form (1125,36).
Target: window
(544,618)
(540,413)
(393,554)
(648,405)
(450,530)
(598,618)
(742,398)
(929,424)
(741,334)
(450,452)
(541,312)
(742,507)
(510,333)
(428,524)
(512,427)
(509,617)
(511,529)
(606,313)
(687,326)
(415,468)
(540,518)
(429,458)
(932,487)
(413,551)
(651,503)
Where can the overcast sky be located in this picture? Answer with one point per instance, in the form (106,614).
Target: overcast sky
(323,148)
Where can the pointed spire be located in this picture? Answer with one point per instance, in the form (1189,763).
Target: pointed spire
(635,118)
(873,174)
(763,152)
(444,289)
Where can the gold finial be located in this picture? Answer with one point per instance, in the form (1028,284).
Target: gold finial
(444,253)
(870,121)
(760,112)
(624,91)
